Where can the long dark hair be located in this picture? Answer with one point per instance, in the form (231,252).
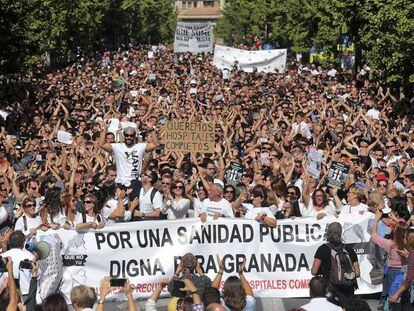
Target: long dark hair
(55,302)
(52,203)
(324,197)
(234,294)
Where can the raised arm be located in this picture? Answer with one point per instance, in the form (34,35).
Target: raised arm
(102,144)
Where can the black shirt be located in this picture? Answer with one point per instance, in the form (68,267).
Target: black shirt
(324,255)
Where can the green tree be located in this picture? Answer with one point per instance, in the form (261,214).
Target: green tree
(388,39)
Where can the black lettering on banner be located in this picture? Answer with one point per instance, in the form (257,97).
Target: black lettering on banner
(254,263)
(312,232)
(291,233)
(114,240)
(288,234)
(133,268)
(74,260)
(151,238)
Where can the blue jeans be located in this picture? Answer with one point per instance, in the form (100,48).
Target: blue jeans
(390,274)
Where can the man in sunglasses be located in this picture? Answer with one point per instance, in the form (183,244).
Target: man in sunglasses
(129,154)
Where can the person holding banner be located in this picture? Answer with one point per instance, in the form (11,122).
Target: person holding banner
(177,205)
(215,205)
(254,210)
(89,218)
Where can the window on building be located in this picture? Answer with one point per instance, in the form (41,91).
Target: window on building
(209,3)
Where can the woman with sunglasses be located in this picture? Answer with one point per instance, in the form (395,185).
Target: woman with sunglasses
(89,218)
(29,222)
(176,205)
(196,193)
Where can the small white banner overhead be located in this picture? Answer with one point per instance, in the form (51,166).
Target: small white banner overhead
(193,37)
(263,60)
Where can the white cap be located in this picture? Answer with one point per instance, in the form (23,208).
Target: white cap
(218,182)
(193,81)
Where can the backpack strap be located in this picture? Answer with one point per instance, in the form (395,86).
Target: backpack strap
(84,217)
(25,222)
(153,192)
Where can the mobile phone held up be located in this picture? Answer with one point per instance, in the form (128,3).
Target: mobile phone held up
(117,282)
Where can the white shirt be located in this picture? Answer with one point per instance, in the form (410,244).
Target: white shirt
(348,209)
(110,206)
(302,127)
(145,204)
(79,219)
(222,207)
(373,114)
(17,255)
(312,212)
(176,209)
(31,223)
(128,161)
(320,304)
(3,214)
(332,72)
(59,219)
(252,211)
(198,207)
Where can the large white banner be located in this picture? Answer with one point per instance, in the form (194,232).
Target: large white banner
(278,259)
(193,37)
(263,60)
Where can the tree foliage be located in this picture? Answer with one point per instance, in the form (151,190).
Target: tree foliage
(382,31)
(31,28)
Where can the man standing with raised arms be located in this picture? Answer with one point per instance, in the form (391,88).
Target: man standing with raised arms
(128,155)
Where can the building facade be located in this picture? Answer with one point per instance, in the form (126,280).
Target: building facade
(199,10)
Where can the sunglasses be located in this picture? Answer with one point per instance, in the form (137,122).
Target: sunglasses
(29,205)
(129,135)
(88,183)
(166,183)
(80,171)
(382,184)
(291,193)
(179,187)
(88,202)
(229,191)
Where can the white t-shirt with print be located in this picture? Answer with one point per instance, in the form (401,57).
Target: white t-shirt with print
(348,209)
(222,207)
(128,161)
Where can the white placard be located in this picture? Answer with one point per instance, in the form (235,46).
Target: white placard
(193,37)
(64,137)
(263,60)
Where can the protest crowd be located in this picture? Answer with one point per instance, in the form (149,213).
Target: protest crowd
(82,148)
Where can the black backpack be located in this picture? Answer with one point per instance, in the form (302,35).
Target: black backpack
(136,190)
(342,272)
